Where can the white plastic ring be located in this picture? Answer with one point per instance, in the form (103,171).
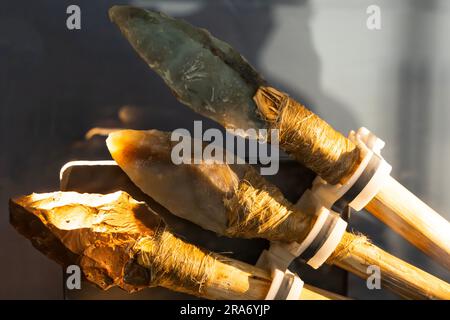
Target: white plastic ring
(329,245)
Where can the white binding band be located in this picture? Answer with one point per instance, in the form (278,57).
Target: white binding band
(296,248)
(370,146)
(330,244)
(324,246)
(329,227)
(285,284)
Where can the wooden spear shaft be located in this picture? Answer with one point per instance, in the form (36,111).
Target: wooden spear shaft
(227,279)
(354,256)
(415,221)
(395,274)
(234,280)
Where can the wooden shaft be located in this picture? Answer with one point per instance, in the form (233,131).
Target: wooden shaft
(397,275)
(355,254)
(237,280)
(407,215)
(220,277)
(312,293)
(232,279)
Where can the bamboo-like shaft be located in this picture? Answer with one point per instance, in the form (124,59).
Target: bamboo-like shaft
(237,280)
(313,293)
(397,275)
(232,279)
(219,278)
(407,215)
(222,277)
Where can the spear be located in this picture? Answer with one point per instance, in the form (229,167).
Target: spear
(210,77)
(118,241)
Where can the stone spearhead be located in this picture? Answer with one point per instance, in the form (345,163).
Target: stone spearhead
(203,72)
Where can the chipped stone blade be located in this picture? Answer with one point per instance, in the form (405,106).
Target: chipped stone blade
(192,192)
(203,72)
(93,231)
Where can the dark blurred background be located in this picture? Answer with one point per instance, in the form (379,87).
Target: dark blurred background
(56,84)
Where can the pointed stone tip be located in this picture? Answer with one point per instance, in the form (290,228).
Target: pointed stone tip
(120,14)
(129,146)
(17,199)
(27,202)
(117,140)
(126,146)
(115,12)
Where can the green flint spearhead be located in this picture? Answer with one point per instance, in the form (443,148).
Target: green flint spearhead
(203,72)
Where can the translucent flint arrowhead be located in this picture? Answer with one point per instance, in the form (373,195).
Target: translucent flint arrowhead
(203,72)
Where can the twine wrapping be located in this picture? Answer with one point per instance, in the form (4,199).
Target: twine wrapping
(257,209)
(345,248)
(175,264)
(307,137)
